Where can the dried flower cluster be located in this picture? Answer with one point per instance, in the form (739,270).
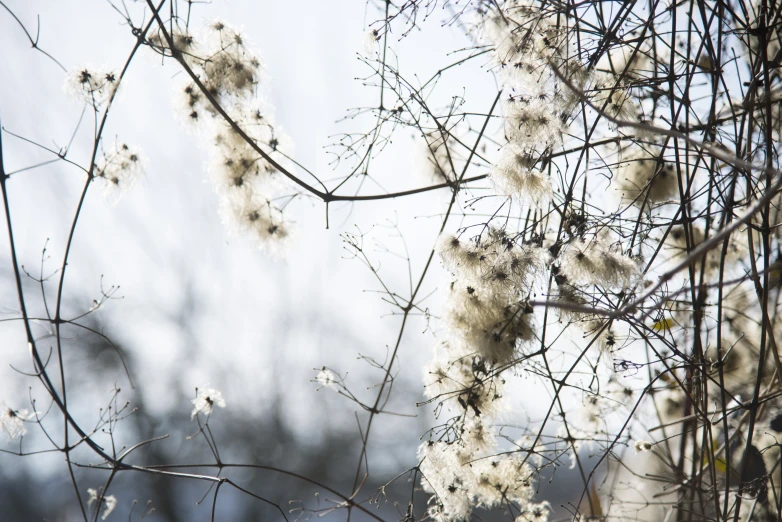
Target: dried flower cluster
(489,321)
(526,46)
(609,244)
(95,86)
(118,170)
(229,76)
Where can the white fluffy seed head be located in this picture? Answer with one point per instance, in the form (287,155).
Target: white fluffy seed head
(327,378)
(205,401)
(525,43)
(109,502)
(641,446)
(248,149)
(596,263)
(477,437)
(192,106)
(613,98)
(530,122)
(492,325)
(12,422)
(464,381)
(118,169)
(185,44)
(438,160)
(590,415)
(534,512)
(92,85)
(462,476)
(235,169)
(252,215)
(231,69)
(450,247)
(514,175)
(371,42)
(484,307)
(631,60)
(643,176)
(504,477)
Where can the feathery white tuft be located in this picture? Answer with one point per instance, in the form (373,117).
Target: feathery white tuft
(93,85)
(205,401)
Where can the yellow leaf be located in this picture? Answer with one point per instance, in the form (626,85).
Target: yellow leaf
(663,324)
(719,462)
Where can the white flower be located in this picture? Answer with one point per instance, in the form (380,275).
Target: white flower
(642,445)
(327,378)
(93,85)
(109,502)
(206,399)
(13,422)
